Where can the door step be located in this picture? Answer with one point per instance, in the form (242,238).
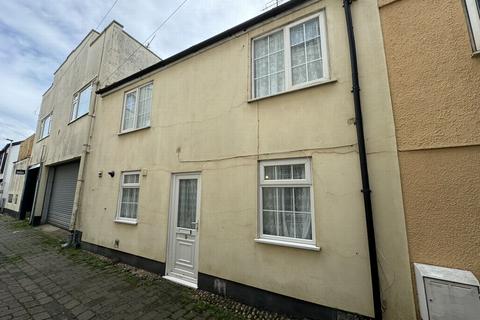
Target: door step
(182,282)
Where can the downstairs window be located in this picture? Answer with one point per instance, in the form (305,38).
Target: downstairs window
(286,201)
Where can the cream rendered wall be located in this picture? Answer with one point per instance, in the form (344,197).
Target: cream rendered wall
(123,56)
(65,141)
(16,184)
(202,121)
(94,58)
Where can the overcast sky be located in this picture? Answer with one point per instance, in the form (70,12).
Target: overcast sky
(37,36)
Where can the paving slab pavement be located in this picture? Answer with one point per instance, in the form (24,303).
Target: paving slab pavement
(39,280)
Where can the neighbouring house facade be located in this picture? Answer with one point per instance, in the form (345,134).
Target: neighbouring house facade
(433,56)
(16,206)
(233,166)
(8,156)
(65,121)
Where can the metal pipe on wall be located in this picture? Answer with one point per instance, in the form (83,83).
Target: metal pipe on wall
(367,201)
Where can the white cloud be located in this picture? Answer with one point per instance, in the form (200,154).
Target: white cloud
(36,37)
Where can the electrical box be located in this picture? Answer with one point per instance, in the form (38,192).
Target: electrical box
(447,294)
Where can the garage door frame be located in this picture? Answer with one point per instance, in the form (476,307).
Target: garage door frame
(52,171)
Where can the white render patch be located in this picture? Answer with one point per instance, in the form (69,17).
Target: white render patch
(439,293)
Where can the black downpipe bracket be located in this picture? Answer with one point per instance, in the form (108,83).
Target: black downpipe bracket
(367,201)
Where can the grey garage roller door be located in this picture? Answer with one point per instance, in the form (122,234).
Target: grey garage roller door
(62,194)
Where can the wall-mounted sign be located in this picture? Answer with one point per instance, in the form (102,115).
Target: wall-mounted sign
(20,171)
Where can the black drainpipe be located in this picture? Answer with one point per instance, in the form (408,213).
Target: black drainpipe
(367,201)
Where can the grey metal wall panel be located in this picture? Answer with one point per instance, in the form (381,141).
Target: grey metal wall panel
(62,195)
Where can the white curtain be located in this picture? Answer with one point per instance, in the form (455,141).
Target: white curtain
(187,203)
(269,61)
(286,212)
(306,55)
(129,203)
(303,213)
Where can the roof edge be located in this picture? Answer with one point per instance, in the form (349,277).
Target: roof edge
(105,30)
(206,43)
(78,46)
(16,143)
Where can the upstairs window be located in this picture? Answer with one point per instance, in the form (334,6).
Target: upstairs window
(45,126)
(269,65)
(473,16)
(136,108)
(81,102)
(128,202)
(291,57)
(286,204)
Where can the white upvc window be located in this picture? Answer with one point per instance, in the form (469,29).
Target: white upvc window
(137,105)
(45,126)
(292,57)
(81,102)
(286,201)
(473,16)
(128,198)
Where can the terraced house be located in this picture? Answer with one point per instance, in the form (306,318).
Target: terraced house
(318,160)
(55,171)
(8,156)
(19,201)
(238,165)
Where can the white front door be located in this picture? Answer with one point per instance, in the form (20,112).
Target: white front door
(182,261)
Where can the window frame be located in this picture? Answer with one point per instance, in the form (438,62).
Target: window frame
(135,115)
(118,217)
(474,33)
(76,102)
(288,86)
(42,126)
(307,182)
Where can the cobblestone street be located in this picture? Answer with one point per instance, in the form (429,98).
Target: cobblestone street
(38,280)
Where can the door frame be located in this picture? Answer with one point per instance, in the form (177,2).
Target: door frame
(170,256)
(27,186)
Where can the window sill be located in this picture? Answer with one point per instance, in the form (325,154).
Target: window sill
(43,138)
(133,130)
(311,85)
(131,222)
(289,244)
(476,54)
(74,120)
